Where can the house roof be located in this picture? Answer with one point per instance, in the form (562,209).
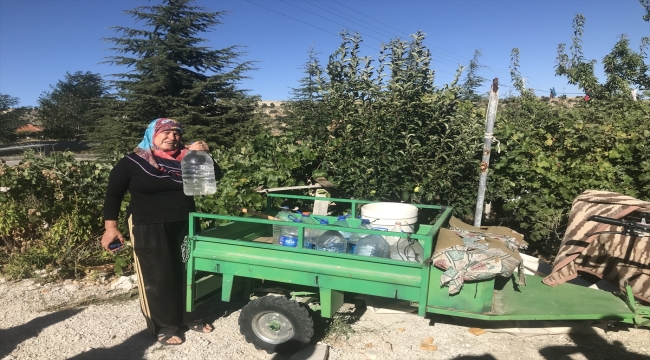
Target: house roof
(29,128)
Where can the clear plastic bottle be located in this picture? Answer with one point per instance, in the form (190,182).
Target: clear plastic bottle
(314,233)
(197,168)
(310,234)
(283,215)
(372,245)
(354,237)
(332,241)
(392,240)
(289,235)
(341,221)
(407,251)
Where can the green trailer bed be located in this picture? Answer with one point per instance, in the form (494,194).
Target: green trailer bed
(237,256)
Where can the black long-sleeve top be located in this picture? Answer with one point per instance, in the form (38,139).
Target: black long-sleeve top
(155,197)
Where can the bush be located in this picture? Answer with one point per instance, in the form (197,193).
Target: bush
(552,153)
(51,214)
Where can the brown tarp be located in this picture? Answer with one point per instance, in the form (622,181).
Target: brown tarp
(612,257)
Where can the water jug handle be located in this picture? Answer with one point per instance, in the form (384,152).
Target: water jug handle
(293,218)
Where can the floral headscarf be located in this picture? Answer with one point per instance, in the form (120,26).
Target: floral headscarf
(163,161)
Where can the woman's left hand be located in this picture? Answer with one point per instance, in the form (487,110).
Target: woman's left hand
(198,146)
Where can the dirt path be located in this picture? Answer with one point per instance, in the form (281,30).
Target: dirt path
(58,321)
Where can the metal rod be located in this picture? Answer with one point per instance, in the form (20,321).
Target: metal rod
(487,147)
(315,186)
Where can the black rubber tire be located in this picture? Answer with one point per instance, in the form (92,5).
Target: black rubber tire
(299,321)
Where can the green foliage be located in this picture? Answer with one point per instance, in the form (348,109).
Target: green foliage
(473,80)
(306,113)
(552,153)
(11,118)
(51,213)
(171,74)
(264,161)
(384,130)
(623,67)
(68,112)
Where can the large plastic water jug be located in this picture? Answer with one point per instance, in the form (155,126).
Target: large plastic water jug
(354,237)
(310,234)
(372,245)
(289,235)
(197,169)
(283,215)
(341,221)
(314,233)
(406,250)
(331,241)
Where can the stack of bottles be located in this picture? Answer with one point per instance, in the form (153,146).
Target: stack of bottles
(342,241)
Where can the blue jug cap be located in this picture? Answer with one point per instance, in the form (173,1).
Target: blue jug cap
(323,221)
(342,217)
(365,221)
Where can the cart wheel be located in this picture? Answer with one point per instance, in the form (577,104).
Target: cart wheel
(276,324)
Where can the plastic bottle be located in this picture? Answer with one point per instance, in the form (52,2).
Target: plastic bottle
(402,248)
(372,245)
(354,237)
(283,215)
(310,234)
(197,168)
(343,223)
(332,241)
(392,240)
(289,235)
(407,251)
(314,233)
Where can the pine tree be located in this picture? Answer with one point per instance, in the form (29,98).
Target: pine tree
(472,80)
(173,75)
(67,112)
(306,113)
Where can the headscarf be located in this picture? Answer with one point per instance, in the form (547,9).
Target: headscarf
(163,161)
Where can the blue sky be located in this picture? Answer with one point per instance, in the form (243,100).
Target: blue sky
(42,39)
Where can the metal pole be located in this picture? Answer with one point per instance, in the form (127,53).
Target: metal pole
(487,147)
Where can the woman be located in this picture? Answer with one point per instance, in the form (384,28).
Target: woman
(158,222)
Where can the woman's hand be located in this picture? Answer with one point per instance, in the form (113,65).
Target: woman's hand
(198,146)
(110,234)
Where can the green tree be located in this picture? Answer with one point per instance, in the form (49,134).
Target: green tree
(473,80)
(11,117)
(387,132)
(306,113)
(68,112)
(623,67)
(173,75)
(646,7)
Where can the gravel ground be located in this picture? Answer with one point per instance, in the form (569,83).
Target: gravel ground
(56,321)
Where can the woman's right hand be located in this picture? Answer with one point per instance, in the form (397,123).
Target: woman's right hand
(110,234)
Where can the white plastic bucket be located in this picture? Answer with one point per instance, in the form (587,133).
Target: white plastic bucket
(383,216)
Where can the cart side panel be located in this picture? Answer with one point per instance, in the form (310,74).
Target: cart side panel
(309,261)
(232,270)
(475,296)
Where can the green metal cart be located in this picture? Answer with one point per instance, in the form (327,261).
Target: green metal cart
(237,257)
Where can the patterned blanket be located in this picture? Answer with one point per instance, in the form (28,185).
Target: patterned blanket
(612,257)
(469,253)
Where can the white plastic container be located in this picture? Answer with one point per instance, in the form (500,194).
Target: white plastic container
(383,216)
(197,168)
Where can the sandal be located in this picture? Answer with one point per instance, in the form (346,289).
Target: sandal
(200,327)
(164,338)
